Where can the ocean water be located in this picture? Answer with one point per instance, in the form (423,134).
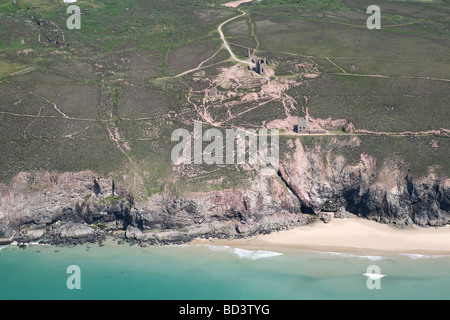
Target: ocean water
(205,272)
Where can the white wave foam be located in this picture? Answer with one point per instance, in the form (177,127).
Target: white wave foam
(415,256)
(217,248)
(372,258)
(38,243)
(27,244)
(254,255)
(245,254)
(374,276)
(349,255)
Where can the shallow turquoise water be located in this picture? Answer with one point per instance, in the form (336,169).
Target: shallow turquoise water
(206,272)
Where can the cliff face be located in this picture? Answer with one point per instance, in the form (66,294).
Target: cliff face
(78,207)
(383,194)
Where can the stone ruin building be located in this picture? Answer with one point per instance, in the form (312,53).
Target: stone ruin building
(303,123)
(260,65)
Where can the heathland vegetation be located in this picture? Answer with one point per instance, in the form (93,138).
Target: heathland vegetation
(108,96)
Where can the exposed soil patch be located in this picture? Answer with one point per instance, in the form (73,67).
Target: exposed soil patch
(234,4)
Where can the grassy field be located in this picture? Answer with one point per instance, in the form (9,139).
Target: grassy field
(109,96)
(9,68)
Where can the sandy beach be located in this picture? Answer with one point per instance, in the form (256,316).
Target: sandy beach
(352,235)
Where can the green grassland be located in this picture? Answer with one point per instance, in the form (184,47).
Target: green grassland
(107,100)
(9,68)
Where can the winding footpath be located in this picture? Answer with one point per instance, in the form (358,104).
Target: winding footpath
(225,43)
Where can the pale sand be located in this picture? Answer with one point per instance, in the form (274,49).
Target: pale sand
(234,4)
(352,235)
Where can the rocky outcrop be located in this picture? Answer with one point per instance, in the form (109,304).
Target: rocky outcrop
(383,194)
(341,213)
(82,206)
(69,206)
(265,207)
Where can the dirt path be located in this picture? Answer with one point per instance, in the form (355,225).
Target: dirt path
(205,115)
(20,72)
(403,133)
(225,43)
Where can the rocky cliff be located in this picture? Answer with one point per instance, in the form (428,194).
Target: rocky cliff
(383,193)
(82,206)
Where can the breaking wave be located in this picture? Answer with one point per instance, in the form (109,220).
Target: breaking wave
(244,253)
(374,276)
(415,256)
(349,255)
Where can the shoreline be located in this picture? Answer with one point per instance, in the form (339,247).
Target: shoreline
(354,236)
(348,236)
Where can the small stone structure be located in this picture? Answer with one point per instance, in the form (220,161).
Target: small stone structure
(260,65)
(303,123)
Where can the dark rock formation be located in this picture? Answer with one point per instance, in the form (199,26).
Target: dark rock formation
(70,207)
(384,194)
(325,217)
(341,213)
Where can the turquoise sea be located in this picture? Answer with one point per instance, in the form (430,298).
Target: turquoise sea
(207,272)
